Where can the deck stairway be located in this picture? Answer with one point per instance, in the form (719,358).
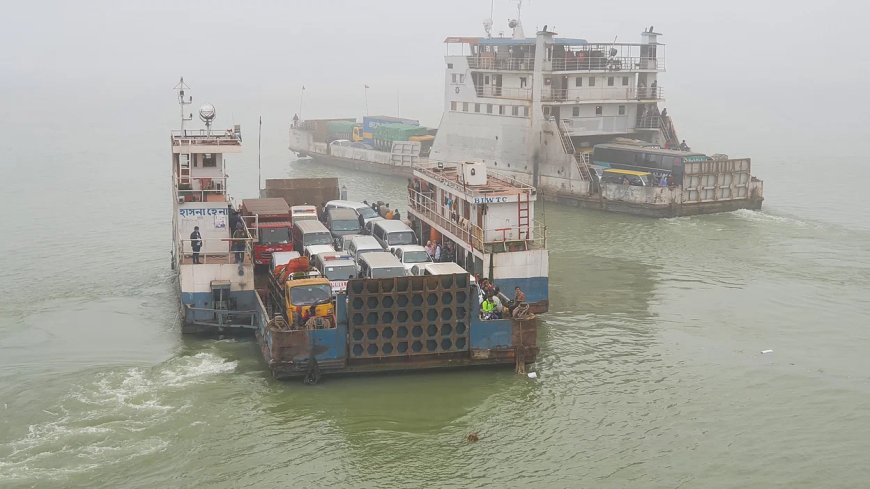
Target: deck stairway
(523,216)
(581,160)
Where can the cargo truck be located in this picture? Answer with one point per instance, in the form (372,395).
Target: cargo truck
(268,220)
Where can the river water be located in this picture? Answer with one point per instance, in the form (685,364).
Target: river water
(650,374)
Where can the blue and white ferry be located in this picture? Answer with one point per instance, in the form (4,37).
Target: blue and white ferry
(217,283)
(489,219)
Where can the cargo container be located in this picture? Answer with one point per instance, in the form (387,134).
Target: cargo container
(386,134)
(370,123)
(342,129)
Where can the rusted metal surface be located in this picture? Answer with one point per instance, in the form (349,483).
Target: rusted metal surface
(409,316)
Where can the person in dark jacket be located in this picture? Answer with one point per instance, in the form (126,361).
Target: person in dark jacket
(195,243)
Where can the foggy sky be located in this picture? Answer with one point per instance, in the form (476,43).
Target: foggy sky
(745,78)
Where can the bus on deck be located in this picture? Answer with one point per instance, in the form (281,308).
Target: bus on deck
(656,161)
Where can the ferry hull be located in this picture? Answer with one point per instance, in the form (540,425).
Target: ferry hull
(362,165)
(397,325)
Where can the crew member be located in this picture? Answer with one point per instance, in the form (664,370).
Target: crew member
(239,243)
(195,243)
(488,308)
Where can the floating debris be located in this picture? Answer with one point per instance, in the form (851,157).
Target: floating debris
(472,437)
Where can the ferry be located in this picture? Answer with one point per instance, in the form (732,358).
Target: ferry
(216,283)
(489,219)
(304,325)
(536,109)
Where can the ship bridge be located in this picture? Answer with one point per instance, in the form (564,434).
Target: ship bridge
(198,163)
(481,210)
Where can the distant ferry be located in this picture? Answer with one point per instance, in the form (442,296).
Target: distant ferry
(537,109)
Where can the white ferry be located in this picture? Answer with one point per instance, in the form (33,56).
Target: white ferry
(216,281)
(489,220)
(537,108)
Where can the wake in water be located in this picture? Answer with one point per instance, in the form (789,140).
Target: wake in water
(120,416)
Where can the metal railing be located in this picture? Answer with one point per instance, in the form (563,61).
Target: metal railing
(230,255)
(600,63)
(423,205)
(484,62)
(459,187)
(207,186)
(602,93)
(503,92)
(222,317)
(204,136)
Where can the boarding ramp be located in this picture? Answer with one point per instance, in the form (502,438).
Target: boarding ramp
(414,317)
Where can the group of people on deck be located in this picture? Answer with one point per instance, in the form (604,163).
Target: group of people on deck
(495,305)
(237,243)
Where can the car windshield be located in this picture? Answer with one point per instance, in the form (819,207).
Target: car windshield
(415,257)
(274,235)
(306,295)
(367,212)
(345,226)
(342,272)
(317,239)
(401,238)
(387,272)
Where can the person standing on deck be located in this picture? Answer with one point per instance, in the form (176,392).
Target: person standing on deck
(396,216)
(239,243)
(437,253)
(195,243)
(430,249)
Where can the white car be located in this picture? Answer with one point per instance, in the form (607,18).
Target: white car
(312,250)
(362,210)
(411,255)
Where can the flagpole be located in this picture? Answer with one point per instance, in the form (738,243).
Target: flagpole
(259,161)
(367,98)
(301,96)
(397,103)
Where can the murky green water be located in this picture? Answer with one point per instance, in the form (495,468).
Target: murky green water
(650,369)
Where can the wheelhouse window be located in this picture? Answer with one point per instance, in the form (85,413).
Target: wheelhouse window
(621,110)
(209,160)
(575,111)
(578,82)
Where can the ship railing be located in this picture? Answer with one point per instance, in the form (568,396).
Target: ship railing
(484,62)
(601,63)
(464,189)
(216,251)
(221,317)
(503,92)
(602,93)
(205,136)
(498,239)
(200,189)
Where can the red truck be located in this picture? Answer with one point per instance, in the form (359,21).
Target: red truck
(269,221)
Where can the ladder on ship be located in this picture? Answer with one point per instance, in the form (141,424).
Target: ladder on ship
(579,159)
(524,217)
(184,169)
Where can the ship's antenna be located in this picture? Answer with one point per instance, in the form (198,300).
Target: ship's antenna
(259,163)
(301,96)
(180,88)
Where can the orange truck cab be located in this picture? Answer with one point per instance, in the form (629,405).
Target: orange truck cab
(269,222)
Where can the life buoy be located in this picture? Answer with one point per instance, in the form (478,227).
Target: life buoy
(456,89)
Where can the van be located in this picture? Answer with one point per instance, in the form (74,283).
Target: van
(337,267)
(340,222)
(391,233)
(380,264)
(364,211)
(310,232)
(443,268)
(344,242)
(411,255)
(361,245)
(303,213)
(312,250)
